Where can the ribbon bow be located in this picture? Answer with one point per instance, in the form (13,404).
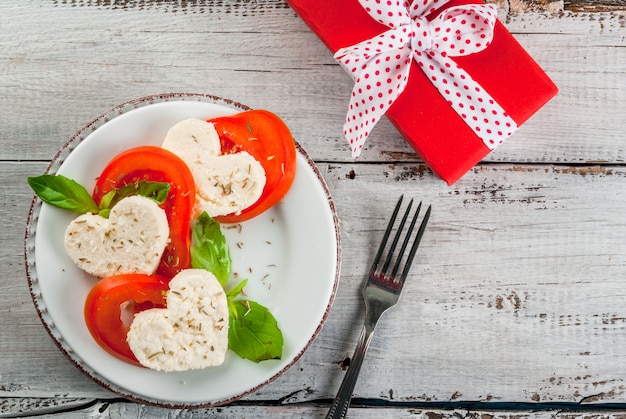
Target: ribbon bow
(381,65)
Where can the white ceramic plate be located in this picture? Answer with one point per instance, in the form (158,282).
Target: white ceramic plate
(290,254)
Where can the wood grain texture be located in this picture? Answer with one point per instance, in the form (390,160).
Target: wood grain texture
(518,293)
(119,409)
(502,327)
(65,64)
(595,6)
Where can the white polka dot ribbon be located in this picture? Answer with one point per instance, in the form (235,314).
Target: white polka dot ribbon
(381,65)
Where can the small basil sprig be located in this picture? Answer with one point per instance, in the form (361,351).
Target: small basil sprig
(209,249)
(157,191)
(253,331)
(65,193)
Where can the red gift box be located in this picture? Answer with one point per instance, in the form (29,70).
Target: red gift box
(429,124)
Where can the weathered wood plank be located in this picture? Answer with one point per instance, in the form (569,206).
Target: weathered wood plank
(595,6)
(118,409)
(64,63)
(25,407)
(517,295)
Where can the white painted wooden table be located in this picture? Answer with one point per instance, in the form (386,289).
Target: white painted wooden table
(518,303)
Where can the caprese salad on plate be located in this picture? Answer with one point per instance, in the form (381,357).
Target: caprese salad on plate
(185,252)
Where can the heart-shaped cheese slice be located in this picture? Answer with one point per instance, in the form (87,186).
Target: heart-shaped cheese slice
(193,139)
(131,240)
(225,183)
(191,333)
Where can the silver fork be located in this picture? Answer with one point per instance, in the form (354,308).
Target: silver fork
(380,292)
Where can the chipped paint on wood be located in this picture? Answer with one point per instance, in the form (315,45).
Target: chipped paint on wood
(590,6)
(526,6)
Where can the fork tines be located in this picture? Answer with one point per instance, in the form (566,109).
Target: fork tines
(383,273)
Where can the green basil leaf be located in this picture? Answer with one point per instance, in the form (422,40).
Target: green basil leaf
(63,192)
(157,191)
(107,199)
(104,213)
(209,248)
(235,291)
(253,332)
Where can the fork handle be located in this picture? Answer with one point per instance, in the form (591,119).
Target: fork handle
(340,405)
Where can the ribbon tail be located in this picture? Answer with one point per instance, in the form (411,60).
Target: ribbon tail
(375,90)
(482,114)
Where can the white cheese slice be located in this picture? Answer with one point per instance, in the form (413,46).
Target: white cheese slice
(228,184)
(192,139)
(131,240)
(225,184)
(191,333)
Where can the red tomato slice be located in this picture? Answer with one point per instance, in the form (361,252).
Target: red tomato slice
(149,163)
(112,303)
(266,137)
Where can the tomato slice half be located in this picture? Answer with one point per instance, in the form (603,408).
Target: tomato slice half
(150,163)
(266,137)
(112,303)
